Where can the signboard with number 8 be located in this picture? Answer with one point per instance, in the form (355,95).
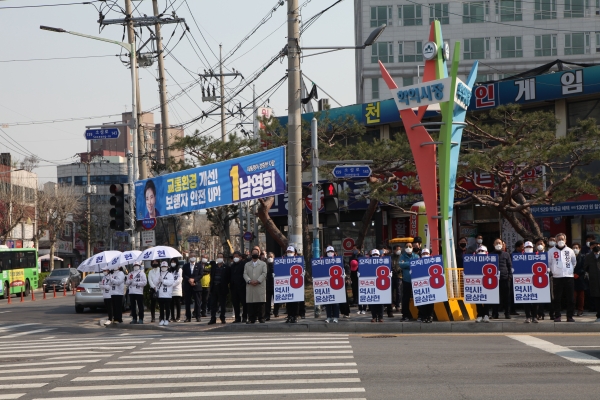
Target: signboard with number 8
(328,280)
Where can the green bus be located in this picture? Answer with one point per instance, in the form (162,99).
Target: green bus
(18,271)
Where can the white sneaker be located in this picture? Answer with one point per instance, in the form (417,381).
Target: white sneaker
(479,319)
(335,320)
(326,320)
(486,319)
(108,322)
(161,323)
(166,322)
(363,312)
(358,312)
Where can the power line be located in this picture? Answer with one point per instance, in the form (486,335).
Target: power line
(50,5)
(58,58)
(52,121)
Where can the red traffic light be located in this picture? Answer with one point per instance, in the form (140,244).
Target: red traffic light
(329,190)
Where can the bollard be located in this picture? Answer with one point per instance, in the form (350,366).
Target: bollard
(32,295)
(44,287)
(73,290)
(64,290)
(22,300)
(8,294)
(54,287)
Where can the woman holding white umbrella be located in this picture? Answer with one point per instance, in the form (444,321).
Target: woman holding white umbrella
(164,289)
(117,280)
(105,286)
(136,281)
(177,291)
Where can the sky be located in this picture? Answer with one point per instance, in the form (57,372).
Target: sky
(98,85)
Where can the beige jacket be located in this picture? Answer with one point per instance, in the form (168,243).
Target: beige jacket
(258,272)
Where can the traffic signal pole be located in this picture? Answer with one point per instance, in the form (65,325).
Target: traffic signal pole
(314,140)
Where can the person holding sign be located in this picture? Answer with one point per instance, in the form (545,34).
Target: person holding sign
(332,310)
(562,261)
(505,268)
(296,281)
(483,309)
(531,309)
(255,275)
(405,258)
(426,311)
(591,265)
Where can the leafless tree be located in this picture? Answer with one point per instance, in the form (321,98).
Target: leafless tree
(17,203)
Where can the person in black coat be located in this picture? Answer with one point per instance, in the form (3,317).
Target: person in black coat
(505,283)
(238,287)
(219,287)
(270,286)
(192,289)
(579,284)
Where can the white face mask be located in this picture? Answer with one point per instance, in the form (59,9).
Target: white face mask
(425,255)
(236,259)
(164,269)
(408,250)
(193,259)
(290,254)
(561,243)
(481,252)
(330,254)
(528,250)
(136,267)
(219,261)
(173,264)
(399,252)
(498,247)
(576,251)
(479,241)
(204,260)
(552,243)
(587,244)
(270,259)
(540,247)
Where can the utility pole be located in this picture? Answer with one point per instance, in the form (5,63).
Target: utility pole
(223,138)
(164,107)
(294,129)
(314,140)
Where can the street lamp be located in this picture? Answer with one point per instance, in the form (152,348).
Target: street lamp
(130,47)
(369,42)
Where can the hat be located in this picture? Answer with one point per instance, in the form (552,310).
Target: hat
(425,251)
(528,244)
(329,248)
(138,263)
(482,248)
(291,248)
(374,252)
(418,240)
(105,268)
(164,264)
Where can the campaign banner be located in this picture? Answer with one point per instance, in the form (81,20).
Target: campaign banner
(289,279)
(428,280)
(480,279)
(375,280)
(227,182)
(329,285)
(531,281)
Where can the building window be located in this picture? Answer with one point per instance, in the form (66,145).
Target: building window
(407,81)
(439,11)
(410,15)
(381,15)
(545,9)
(545,45)
(68,231)
(382,51)
(509,47)
(577,43)
(576,8)
(476,49)
(410,51)
(375,88)
(484,78)
(509,10)
(597,42)
(131,144)
(65,181)
(153,146)
(476,11)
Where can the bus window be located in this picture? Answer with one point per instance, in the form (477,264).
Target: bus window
(5,260)
(31,261)
(18,260)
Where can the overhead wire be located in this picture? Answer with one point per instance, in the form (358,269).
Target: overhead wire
(58,58)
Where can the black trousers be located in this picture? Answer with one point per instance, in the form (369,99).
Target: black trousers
(268,304)
(164,305)
(407,294)
(137,306)
(117,306)
(596,301)
(109,308)
(345,308)
(531,310)
(238,296)
(354,279)
(153,302)
(292,309)
(192,295)
(205,300)
(176,307)
(425,312)
(302,308)
(256,311)
(218,298)
(566,286)
(483,310)
(396,291)
(504,288)
(377,311)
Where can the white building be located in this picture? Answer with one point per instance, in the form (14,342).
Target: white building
(508,37)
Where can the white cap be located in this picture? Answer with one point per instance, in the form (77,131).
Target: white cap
(374,252)
(329,248)
(138,263)
(291,248)
(105,268)
(482,248)
(425,251)
(528,244)
(164,264)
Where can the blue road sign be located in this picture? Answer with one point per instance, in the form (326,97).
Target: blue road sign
(193,239)
(123,234)
(352,171)
(108,133)
(248,236)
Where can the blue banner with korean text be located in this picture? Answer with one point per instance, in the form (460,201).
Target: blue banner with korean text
(374,280)
(227,182)
(480,279)
(531,281)
(329,284)
(288,279)
(428,280)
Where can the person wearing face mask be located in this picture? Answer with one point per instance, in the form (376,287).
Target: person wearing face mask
(461,251)
(407,293)
(539,247)
(332,310)
(164,287)
(270,288)
(426,311)
(531,312)
(293,307)
(417,245)
(396,277)
(219,288)
(192,273)
(587,247)
(483,310)
(117,281)
(505,282)
(562,262)
(238,288)
(353,262)
(478,242)
(105,286)
(551,242)
(579,285)
(376,309)
(136,281)
(205,283)
(177,290)
(255,275)
(153,276)
(591,266)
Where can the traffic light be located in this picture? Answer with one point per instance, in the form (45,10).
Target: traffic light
(117,213)
(331,207)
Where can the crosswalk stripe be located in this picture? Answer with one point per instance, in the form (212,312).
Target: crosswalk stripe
(561,351)
(52,354)
(159,385)
(247,353)
(81,348)
(255,340)
(53,363)
(9,327)
(262,336)
(94,354)
(56,368)
(86,343)
(31,377)
(262,392)
(215,374)
(23,386)
(234,366)
(207,360)
(198,346)
(27,333)
(237,349)
(11,396)
(119,339)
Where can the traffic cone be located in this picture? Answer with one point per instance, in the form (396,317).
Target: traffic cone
(8,294)
(32,295)
(54,288)
(44,287)
(64,291)
(22,300)
(73,290)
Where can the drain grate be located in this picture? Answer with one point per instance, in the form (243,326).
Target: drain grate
(379,337)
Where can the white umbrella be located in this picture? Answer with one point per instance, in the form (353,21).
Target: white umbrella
(125,258)
(158,252)
(84,264)
(100,260)
(47,257)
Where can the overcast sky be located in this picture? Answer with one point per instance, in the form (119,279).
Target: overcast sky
(100,86)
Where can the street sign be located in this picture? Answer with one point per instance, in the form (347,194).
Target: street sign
(248,236)
(149,223)
(352,171)
(148,238)
(108,133)
(193,239)
(119,233)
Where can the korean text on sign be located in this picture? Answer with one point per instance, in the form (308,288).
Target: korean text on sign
(480,279)
(374,280)
(329,285)
(428,280)
(531,283)
(288,279)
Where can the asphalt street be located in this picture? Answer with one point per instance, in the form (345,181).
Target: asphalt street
(50,352)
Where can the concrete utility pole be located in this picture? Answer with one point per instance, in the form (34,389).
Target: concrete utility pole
(294,129)
(164,106)
(223,138)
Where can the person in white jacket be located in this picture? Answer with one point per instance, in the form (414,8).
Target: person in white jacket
(105,287)
(164,287)
(153,276)
(136,281)
(117,280)
(177,291)
(562,261)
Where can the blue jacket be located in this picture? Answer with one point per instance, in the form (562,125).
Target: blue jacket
(405,264)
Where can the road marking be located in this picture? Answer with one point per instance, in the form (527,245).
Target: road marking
(246,353)
(49,337)
(203,346)
(51,363)
(238,350)
(23,386)
(214,375)
(9,327)
(561,351)
(158,385)
(99,348)
(31,377)
(11,396)
(597,369)
(81,353)
(4,312)
(293,358)
(234,366)
(85,343)
(215,394)
(57,368)
(27,333)
(592,347)
(233,342)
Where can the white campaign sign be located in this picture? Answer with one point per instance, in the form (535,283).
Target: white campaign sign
(531,283)
(428,280)
(329,285)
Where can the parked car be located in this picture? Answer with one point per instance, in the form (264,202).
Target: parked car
(89,294)
(61,278)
